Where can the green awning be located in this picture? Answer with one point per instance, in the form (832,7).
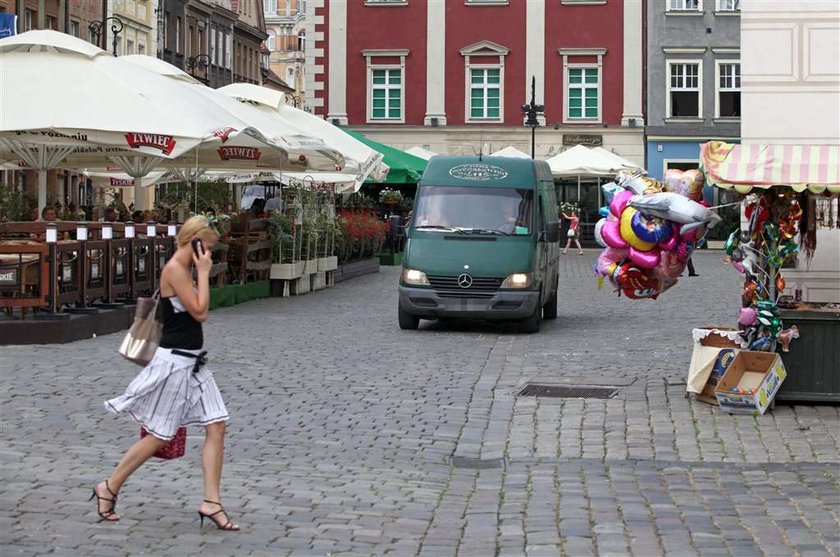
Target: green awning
(404,167)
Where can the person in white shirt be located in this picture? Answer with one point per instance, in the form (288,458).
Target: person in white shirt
(275,204)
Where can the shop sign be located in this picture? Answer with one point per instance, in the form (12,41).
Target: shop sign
(9,276)
(587,140)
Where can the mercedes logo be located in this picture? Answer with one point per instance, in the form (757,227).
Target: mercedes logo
(465,281)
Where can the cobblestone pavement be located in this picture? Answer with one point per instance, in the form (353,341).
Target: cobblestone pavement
(351,437)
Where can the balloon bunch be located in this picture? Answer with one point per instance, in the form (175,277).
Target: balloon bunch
(758,252)
(649,230)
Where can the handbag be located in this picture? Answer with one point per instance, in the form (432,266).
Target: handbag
(175,448)
(143,337)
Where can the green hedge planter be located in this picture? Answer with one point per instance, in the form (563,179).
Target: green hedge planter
(233,294)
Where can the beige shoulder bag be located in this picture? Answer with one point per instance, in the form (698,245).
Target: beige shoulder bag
(143,337)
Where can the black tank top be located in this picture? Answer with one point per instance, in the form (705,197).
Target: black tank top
(180,329)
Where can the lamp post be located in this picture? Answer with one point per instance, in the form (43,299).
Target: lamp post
(116,28)
(531,111)
(200,61)
(296,100)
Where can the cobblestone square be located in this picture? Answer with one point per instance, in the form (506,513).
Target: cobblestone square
(351,437)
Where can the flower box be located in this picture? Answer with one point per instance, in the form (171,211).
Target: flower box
(311,267)
(287,271)
(328,263)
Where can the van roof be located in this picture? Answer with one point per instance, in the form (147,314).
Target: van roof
(488,171)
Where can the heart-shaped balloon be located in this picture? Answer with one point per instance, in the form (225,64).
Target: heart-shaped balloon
(688,183)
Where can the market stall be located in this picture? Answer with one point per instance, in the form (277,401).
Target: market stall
(788,248)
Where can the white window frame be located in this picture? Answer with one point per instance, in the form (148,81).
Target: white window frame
(271,41)
(228,50)
(567,117)
(476,57)
(178,23)
(270,7)
(719,7)
(719,89)
(485,67)
(386,67)
(129,46)
(370,56)
(213,55)
(670,9)
(673,62)
(567,53)
(386,3)
(76,28)
(28,19)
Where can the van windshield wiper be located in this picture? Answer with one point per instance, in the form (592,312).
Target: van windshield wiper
(491,231)
(440,227)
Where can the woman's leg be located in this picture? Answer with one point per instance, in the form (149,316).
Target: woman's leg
(568,243)
(212,457)
(577,243)
(140,452)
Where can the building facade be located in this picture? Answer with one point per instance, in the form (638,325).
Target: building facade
(138,35)
(217,41)
(285,22)
(452,76)
(693,79)
(791,72)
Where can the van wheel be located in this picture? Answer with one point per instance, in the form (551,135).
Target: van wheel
(407,320)
(550,307)
(531,324)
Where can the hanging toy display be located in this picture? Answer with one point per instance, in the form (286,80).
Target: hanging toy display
(759,252)
(649,231)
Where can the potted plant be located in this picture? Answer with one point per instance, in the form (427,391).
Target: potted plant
(391,198)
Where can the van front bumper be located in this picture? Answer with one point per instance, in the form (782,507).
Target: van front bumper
(501,305)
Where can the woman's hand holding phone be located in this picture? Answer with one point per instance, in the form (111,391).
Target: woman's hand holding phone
(202,258)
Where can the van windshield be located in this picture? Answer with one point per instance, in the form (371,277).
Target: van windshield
(475,210)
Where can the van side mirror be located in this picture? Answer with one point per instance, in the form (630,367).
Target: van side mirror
(552,232)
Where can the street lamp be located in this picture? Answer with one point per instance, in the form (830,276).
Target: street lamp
(200,60)
(531,111)
(116,28)
(296,100)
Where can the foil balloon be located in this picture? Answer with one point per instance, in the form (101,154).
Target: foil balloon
(748,317)
(732,242)
(609,260)
(598,238)
(670,266)
(604,211)
(611,190)
(786,336)
(780,284)
(688,183)
(674,207)
(636,283)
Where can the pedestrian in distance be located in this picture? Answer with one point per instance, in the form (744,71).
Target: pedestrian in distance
(175,389)
(572,234)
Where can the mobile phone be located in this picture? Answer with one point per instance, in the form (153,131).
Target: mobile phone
(197,247)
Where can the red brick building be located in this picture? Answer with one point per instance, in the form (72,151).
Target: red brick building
(451,75)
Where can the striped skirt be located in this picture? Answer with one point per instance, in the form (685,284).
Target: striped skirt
(167,395)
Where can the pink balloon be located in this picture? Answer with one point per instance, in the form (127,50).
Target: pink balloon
(738,265)
(670,267)
(619,202)
(644,259)
(609,259)
(611,234)
(672,242)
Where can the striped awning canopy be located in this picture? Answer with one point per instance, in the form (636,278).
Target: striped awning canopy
(743,167)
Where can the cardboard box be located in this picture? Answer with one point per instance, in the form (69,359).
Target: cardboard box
(756,378)
(724,359)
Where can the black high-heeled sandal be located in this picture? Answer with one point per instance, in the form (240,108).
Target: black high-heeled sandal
(226,526)
(104,515)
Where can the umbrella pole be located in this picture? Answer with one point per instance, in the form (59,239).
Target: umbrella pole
(42,191)
(578,197)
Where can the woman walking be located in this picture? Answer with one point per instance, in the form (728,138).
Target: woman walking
(572,234)
(175,390)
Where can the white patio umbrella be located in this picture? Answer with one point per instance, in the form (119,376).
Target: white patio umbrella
(105,112)
(511,152)
(582,161)
(418,151)
(618,159)
(360,160)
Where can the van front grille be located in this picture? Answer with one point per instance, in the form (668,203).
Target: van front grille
(481,287)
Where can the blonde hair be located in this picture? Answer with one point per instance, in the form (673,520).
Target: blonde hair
(196,227)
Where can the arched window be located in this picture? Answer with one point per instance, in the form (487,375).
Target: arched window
(271,43)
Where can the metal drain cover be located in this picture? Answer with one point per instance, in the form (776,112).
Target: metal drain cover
(567,391)
(476,463)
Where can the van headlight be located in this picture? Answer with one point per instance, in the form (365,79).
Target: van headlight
(518,280)
(414,277)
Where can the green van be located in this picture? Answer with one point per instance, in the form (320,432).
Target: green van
(483,243)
